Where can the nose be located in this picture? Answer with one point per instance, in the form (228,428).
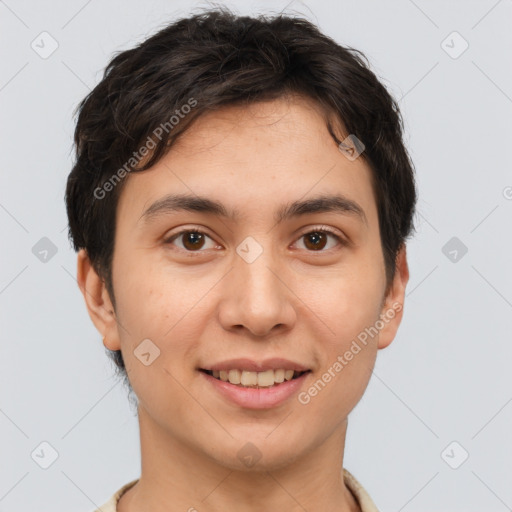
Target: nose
(257,298)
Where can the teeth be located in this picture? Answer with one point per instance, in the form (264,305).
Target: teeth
(234,376)
(249,378)
(266,378)
(279,375)
(252,379)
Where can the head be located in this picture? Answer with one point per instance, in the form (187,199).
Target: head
(299,245)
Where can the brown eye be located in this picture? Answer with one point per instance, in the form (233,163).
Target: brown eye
(315,240)
(318,239)
(192,240)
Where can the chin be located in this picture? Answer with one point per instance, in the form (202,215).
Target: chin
(260,451)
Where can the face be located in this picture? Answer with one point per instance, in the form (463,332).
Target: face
(271,261)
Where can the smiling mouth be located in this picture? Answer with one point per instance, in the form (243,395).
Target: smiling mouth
(249,379)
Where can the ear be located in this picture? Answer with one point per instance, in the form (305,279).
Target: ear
(392,310)
(98,301)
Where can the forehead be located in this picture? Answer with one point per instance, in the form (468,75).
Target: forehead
(246,156)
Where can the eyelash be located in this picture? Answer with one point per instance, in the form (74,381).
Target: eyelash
(175,236)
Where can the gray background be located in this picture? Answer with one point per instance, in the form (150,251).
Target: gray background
(445,378)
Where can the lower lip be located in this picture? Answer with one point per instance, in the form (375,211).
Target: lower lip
(257,398)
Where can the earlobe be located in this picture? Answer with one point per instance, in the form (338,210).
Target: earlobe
(97,300)
(392,310)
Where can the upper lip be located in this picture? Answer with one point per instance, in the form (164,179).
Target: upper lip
(250,365)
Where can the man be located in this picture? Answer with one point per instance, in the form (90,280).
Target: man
(240,202)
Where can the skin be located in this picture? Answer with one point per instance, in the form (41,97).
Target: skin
(208,304)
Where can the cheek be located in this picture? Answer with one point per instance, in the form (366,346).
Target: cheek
(352,309)
(156,317)
(352,302)
(151,296)
(348,356)
(164,306)
(355,310)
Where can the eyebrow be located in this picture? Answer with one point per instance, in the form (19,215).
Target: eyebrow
(172,203)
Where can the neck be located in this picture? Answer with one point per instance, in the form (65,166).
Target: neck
(175,476)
